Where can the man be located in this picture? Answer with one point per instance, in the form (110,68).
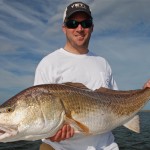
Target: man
(75,63)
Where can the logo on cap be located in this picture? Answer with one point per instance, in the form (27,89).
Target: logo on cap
(78,5)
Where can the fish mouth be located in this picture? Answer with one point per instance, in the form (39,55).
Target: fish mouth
(7,131)
(1,132)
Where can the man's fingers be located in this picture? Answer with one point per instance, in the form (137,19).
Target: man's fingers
(70,132)
(56,137)
(65,133)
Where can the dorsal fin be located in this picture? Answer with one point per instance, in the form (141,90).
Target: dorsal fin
(110,91)
(77,85)
(102,89)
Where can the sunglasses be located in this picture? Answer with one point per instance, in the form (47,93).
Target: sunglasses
(72,24)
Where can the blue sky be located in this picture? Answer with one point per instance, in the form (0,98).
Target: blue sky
(30,29)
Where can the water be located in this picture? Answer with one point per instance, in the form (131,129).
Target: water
(126,139)
(21,145)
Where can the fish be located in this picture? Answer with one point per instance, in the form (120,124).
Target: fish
(39,111)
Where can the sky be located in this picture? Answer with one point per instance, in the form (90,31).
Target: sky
(31,29)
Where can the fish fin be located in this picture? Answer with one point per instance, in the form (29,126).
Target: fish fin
(77,85)
(102,89)
(133,124)
(77,125)
(110,91)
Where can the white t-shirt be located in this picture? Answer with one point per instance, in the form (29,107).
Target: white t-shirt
(89,69)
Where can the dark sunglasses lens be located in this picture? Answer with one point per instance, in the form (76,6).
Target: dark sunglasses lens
(74,24)
(86,23)
(71,24)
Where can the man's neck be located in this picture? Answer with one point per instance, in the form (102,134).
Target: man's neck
(76,50)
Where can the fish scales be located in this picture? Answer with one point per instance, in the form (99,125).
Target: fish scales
(78,101)
(112,98)
(40,111)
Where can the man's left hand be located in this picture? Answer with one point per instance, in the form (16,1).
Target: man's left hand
(147,84)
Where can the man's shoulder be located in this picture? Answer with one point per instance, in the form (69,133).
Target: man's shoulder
(97,57)
(51,56)
(49,59)
(54,53)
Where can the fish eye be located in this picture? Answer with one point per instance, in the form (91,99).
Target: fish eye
(9,109)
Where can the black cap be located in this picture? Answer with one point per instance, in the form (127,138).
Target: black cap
(76,7)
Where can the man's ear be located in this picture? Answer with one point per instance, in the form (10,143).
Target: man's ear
(64,29)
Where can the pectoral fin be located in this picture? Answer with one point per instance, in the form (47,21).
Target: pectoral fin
(79,127)
(133,124)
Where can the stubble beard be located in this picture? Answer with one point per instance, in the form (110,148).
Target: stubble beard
(78,45)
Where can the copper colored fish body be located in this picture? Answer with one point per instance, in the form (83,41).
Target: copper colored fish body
(40,111)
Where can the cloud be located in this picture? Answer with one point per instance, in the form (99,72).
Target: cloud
(122,16)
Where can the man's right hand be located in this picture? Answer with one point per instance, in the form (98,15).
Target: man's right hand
(64,133)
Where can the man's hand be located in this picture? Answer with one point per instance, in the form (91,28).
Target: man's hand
(147,84)
(64,133)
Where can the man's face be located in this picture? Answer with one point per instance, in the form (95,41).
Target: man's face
(78,37)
